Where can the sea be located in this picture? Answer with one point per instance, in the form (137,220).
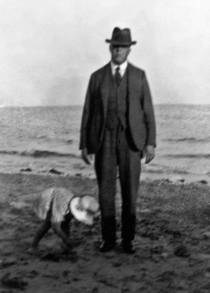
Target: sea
(44,139)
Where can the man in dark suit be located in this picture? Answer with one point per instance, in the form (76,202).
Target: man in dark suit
(118,126)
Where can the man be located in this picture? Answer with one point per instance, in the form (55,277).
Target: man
(118,126)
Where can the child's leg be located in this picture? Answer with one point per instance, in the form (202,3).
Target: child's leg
(40,233)
(43,229)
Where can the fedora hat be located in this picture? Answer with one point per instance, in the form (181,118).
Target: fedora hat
(121,37)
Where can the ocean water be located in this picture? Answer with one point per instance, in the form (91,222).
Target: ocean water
(42,138)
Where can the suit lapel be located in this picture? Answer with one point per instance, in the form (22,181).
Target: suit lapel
(133,82)
(105,86)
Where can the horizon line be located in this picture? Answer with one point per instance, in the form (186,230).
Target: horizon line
(81,105)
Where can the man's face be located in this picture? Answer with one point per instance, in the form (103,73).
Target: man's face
(119,54)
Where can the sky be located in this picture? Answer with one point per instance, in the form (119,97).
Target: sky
(49,48)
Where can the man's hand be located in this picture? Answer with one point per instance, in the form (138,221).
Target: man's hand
(149,153)
(86,157)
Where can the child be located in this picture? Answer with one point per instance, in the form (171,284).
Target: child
(57,206)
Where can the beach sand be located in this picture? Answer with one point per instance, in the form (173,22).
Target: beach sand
(172,241)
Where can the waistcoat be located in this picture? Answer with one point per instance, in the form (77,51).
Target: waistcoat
(117,103)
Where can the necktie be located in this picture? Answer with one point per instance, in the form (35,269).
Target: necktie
(117,75)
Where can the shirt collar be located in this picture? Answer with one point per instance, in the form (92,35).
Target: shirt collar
(122,67)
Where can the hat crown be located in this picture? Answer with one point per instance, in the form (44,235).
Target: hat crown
(89,203)
(121,37)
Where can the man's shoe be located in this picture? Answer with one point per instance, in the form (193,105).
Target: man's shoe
(106,246)
(128,247)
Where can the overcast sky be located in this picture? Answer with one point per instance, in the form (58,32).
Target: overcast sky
(49,48)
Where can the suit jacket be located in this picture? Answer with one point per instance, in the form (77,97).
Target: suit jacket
(141,118)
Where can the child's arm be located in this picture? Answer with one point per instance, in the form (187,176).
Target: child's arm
(57,229)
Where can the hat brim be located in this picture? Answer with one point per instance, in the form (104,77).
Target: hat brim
(120,43)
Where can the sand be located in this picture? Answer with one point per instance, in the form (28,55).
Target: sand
(172,241)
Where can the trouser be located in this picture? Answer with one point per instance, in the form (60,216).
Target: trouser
(117,150)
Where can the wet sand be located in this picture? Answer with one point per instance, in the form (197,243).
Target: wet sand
(172,241)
